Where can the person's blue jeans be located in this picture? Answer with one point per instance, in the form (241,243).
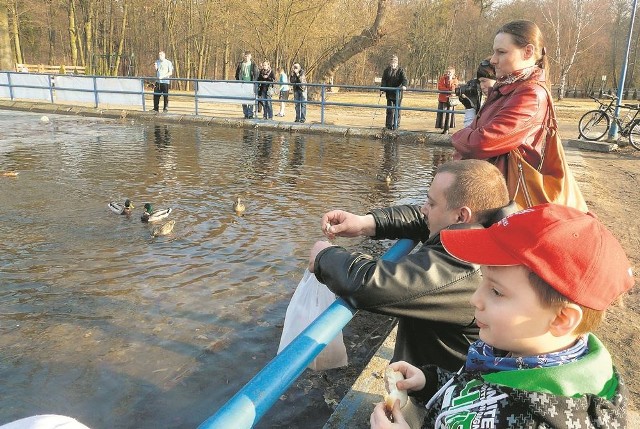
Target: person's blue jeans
(266,104)
(247,109)
(301,107)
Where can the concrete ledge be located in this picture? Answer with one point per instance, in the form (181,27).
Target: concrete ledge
(354,410)
(590,145)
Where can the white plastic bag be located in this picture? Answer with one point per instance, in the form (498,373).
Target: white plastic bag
(311,299)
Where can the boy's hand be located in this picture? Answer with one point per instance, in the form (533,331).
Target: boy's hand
(380,420)
(414,378)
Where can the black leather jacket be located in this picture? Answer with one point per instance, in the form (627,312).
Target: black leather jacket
(428,290)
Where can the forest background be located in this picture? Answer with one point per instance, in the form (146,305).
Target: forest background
(337,41)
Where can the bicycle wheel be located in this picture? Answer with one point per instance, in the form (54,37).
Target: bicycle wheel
(634,135)
(594,125)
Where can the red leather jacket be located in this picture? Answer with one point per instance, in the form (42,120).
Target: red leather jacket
(513,116)
(446,83)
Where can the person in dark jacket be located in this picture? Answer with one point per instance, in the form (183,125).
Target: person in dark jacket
(393,77)
(298,81)
(266,77)
(427,290)
(247,71)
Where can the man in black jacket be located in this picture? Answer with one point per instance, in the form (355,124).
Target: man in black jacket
(393,77)
(428,290)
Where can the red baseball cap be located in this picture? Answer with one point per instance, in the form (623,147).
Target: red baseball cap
(569,249)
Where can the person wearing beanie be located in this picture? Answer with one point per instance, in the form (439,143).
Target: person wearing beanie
(470,95)
(549,273)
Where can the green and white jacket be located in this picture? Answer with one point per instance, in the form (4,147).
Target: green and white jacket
(587,393)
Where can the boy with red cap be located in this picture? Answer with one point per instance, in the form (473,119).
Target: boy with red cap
(549,272)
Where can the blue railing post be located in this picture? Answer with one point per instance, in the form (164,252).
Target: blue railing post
(250,404)
(50,89)
(96,95)
(396,107)
(195,90)
(322,100)
(10,86)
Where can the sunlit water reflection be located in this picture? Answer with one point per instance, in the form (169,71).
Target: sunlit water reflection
(101,321)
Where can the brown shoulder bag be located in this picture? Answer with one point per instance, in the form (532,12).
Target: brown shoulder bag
(552,181)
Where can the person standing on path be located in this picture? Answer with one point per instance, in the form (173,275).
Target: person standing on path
(266,78)
(164,70)
(299,83)
(284,90)
(393,77)
(247,71)
(447,82)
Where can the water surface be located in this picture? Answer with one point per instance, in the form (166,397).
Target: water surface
(102,322)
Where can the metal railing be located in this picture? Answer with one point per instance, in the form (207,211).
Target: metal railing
(141,94)
(250,404)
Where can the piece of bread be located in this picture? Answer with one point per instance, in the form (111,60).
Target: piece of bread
(391,377)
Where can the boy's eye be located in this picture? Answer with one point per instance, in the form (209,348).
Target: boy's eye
(496,292)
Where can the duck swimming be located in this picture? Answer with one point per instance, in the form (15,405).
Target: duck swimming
(165,229)
(150,215)
(123,209)
(238,206)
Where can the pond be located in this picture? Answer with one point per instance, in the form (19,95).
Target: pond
(105,323)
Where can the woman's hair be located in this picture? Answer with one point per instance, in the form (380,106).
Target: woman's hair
(551,298)
(524,33)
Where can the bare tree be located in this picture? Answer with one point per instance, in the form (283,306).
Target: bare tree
(572,25)
(6,62)
(366,39)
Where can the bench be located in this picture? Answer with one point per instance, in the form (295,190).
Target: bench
(43,68)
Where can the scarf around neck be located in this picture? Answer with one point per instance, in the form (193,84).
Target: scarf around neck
(528,73)
(482,357)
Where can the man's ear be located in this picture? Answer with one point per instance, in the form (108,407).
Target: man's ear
(566,321)
(464,215)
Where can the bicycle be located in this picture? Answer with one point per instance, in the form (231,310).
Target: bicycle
(595,123)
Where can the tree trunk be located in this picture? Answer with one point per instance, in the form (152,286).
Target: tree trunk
(6,62)
(121,42)
(15,32)
(73,33)
(366,39)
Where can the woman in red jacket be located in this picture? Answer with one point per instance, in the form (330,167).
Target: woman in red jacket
(516,108)
(447,82)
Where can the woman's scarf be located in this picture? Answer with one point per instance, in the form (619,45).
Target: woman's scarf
(485,359)
(533,72)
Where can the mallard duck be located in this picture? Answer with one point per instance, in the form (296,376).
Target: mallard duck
(387,178)
(123,209)
(150,215)
(238,206)
(165,229)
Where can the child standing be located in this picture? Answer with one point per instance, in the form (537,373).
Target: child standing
(284,90)
(549,272)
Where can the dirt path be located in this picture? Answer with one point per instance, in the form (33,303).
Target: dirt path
(614,195)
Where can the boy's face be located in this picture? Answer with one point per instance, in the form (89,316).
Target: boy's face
(509,314)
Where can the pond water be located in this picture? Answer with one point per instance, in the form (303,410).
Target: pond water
(103,322)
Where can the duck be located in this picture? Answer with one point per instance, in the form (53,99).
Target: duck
(119,208)
(165,229)
(387,178)
(238,206)
(150,215)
